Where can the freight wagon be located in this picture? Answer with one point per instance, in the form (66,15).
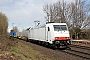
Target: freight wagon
(23,35)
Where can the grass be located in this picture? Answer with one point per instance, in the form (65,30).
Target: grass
(26,52)
(12,49)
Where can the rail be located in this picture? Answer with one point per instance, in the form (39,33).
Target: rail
(81,41)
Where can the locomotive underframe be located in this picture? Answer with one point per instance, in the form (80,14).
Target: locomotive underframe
(64,43)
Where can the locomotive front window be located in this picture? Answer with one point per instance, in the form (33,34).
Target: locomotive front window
(56,27)
(59,27)
(63,27)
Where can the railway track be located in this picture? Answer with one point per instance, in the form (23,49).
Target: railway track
(82,47)
(78,51)
(85,56)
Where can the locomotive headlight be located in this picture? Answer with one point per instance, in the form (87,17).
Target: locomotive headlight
(56,38)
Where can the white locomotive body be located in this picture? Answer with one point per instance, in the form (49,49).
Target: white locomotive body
(55,34)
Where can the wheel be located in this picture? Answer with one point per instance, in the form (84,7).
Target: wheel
(52,46)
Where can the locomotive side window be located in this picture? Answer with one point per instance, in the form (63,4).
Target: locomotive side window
(59,27)
(48,29)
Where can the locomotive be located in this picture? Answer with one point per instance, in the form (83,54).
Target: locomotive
(54,35)
(12,33)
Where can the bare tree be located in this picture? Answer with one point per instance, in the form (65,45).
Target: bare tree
(79,16)
(56,12)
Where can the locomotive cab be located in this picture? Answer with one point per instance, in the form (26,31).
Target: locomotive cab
(58,34)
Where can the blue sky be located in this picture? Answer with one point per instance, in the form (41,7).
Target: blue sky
(23,13)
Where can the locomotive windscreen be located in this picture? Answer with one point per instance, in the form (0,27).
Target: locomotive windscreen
(60,27)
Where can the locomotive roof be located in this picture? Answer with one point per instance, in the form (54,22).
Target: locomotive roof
(57,23)
(49,24)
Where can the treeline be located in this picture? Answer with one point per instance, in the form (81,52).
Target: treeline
(76,14)
(3,25)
